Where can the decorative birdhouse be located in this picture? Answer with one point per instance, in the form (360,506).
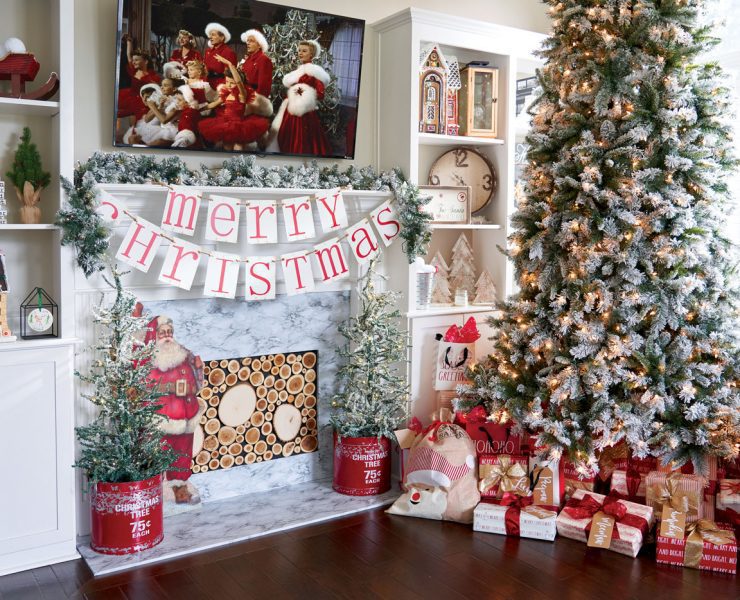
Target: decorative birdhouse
(439,82)
(39,316)
(479,101)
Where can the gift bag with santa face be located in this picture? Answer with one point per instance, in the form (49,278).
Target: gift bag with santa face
(455,352)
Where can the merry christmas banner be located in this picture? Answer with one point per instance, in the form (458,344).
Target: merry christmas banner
(225,271)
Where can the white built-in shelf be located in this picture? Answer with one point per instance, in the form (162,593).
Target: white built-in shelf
(436,139)
(34,108)
(489,226)
(21,227)
(21,344)
(441,310)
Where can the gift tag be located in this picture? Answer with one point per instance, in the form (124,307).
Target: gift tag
(543,490)
(39,319)
(673,522)
(602,526)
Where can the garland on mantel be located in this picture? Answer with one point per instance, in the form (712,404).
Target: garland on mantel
(84,229)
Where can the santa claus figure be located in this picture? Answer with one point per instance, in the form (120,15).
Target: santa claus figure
(178,376)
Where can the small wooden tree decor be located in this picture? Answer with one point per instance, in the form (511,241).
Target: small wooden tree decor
(28,178)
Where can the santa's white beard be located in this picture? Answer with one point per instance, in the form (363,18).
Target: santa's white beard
(169,354)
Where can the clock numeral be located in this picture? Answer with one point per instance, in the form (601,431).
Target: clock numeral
(434,179)
(487,182)
(461,156)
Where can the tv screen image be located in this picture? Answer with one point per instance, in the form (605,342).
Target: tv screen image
(237,76)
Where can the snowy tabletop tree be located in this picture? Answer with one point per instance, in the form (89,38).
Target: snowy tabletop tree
(462,267)
(625,325)
(441,293)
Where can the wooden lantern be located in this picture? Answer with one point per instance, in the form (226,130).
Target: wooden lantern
(479,101)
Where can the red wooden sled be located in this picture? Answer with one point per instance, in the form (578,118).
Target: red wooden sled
(20,68)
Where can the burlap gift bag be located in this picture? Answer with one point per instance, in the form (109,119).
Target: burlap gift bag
(441,476)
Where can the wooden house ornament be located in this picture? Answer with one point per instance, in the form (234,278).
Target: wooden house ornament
(439,83)
(5,334)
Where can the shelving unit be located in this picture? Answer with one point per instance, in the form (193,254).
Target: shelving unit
(400,144)
(35,108)
(37,520)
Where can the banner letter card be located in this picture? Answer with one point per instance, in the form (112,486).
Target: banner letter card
(262,222)
(385,219)
(222,275)
(109,209)
(331,261)
(223,219)
(363,242)
(261,276)
(298,217)
(140,245)
(297,272)
(180,264)
(181,210)
(332,212)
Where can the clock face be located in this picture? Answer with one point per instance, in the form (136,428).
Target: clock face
(464,166)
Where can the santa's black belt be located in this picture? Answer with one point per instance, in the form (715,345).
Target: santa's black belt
(179,388)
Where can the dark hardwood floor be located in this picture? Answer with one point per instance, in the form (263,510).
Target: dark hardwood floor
(374,555)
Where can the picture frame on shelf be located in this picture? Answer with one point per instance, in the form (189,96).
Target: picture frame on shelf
(449,203)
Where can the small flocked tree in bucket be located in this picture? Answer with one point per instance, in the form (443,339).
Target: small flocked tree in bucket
(28,178)
(122,453)
(373,402)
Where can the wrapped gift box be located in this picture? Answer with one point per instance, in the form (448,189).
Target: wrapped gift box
(683,492)
(705,546)
(574,480)
(529,521)
(633,521)
(500,473)
(728,503)
(630,484)
(548,481)
(611,459)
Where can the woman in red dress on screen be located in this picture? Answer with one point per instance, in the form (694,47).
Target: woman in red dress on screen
(186,50)
(230,127)
(197,93)
(218,37)
(129,100)
(256,67)
(297,128)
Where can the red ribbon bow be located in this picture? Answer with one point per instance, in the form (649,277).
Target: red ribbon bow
(730,485)
(588,506)
(516,503)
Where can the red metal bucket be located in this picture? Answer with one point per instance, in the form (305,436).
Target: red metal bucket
(362,465)
(127,517)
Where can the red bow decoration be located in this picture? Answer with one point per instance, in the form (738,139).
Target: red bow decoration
(462,335)
(415,426)
(516,503)
(730,485)
(588,506)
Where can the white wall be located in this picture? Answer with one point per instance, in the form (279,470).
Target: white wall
(95,24)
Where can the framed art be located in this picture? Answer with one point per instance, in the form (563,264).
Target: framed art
(449,204)
(237,76)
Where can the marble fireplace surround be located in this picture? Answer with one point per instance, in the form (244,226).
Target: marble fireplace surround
(253,500)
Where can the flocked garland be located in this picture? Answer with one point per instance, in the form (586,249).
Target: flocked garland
(85,230)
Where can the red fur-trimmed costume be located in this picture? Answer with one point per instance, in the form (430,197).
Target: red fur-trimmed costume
(257,70)
(297,124)
(129,100)
(192,55)
(231,126)
(178,375)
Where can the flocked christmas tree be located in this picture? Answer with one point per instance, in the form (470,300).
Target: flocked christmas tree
(624,325)
(283,39)
(28,178)
(374,396)
(462,267)
(440,288)
(485,289)
(123,443)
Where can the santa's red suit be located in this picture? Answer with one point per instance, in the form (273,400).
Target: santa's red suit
(179,385)
(215,67)
(297,124)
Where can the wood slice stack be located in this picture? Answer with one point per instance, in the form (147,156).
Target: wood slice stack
(257,408)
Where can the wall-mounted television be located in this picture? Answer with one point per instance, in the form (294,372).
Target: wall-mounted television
(237,76)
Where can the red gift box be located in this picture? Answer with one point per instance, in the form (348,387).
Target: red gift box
(575,480)
(706,546)
(493,438)
(501,473)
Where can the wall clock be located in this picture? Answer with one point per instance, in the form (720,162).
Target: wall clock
(465,166)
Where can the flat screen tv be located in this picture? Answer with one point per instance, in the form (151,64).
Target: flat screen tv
(237,76)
